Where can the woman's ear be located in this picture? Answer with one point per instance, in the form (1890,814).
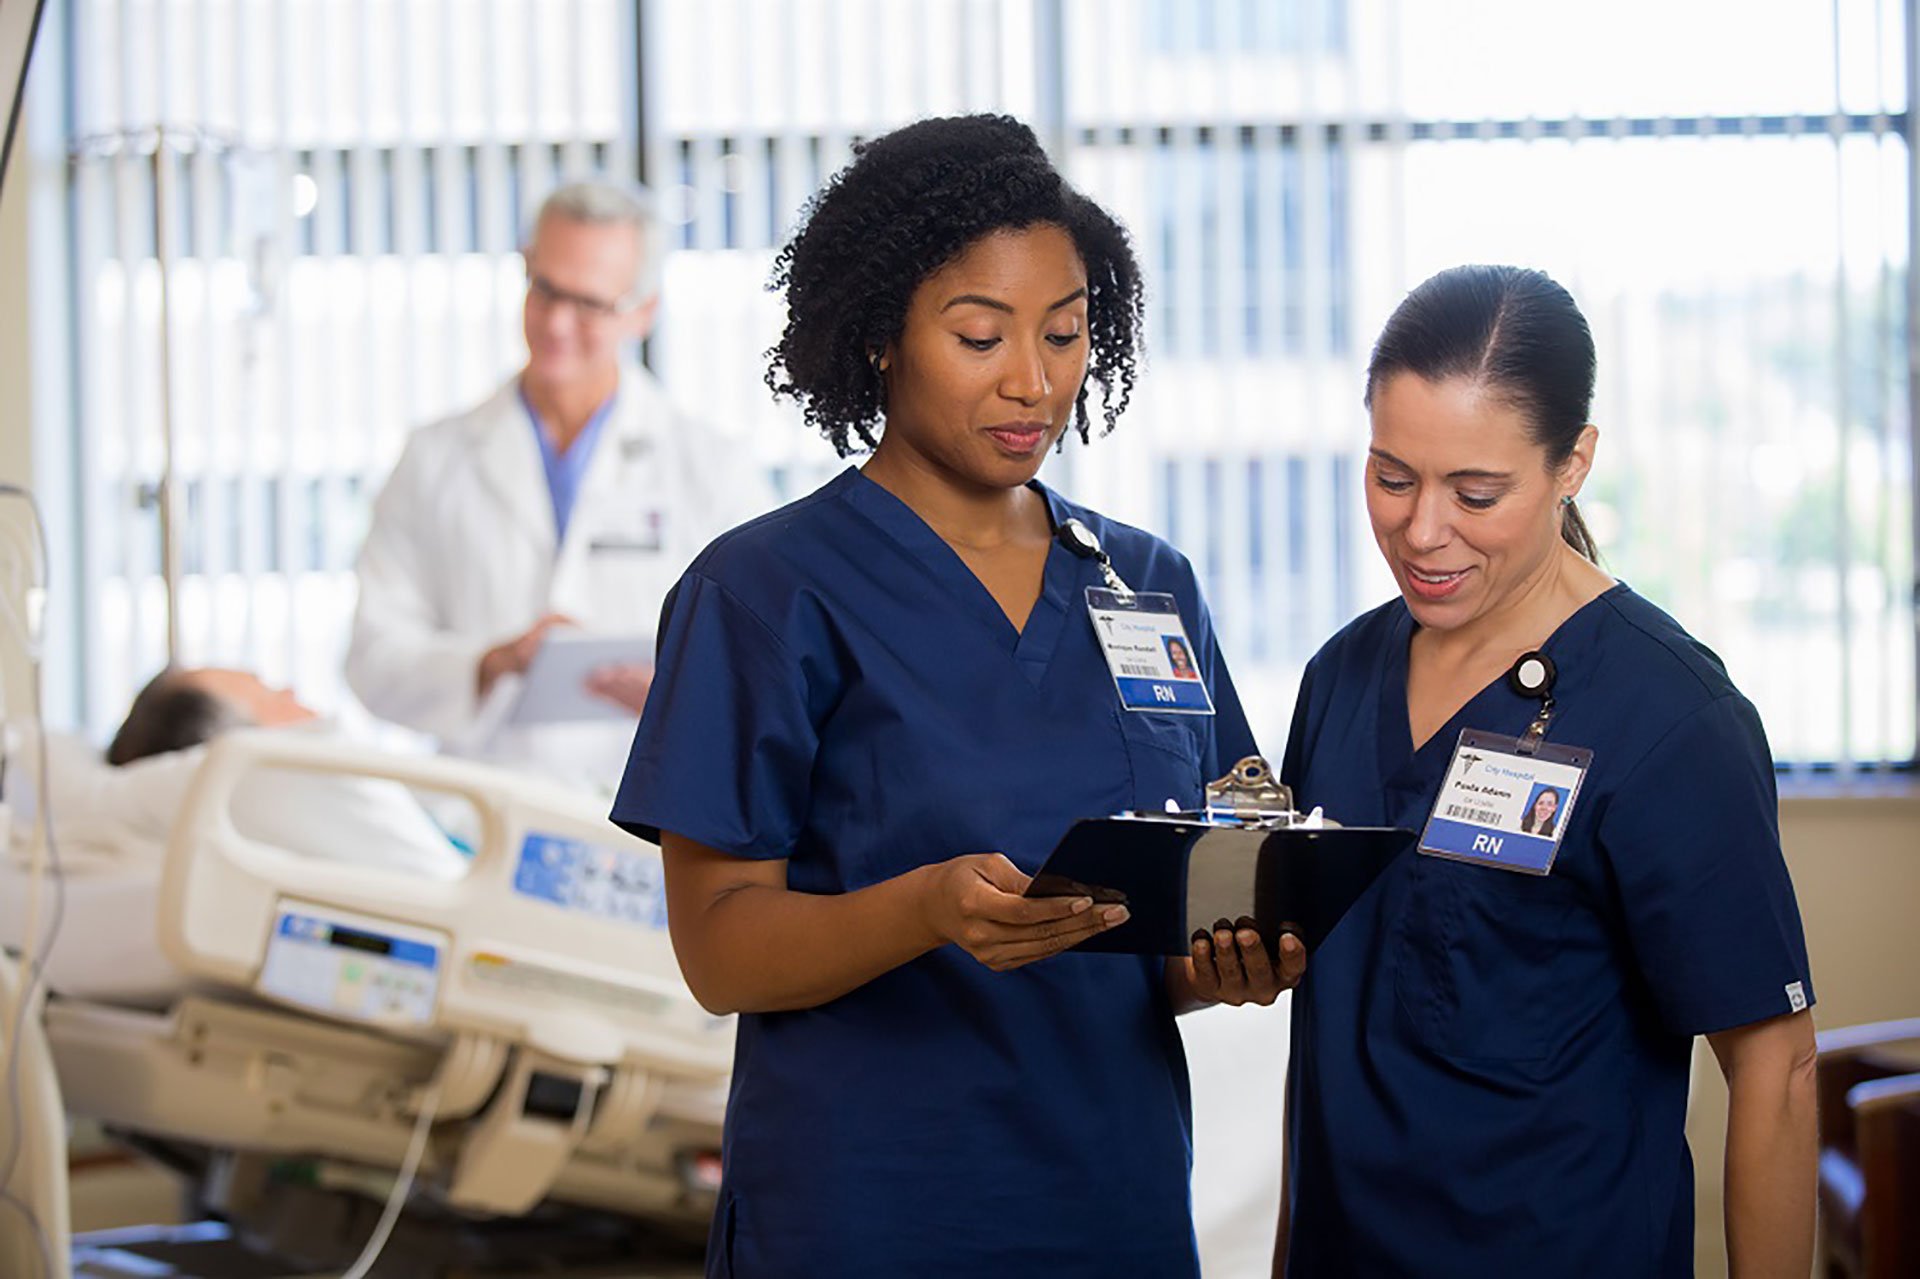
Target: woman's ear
(1579,462)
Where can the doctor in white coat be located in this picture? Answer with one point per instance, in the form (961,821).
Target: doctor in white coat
(572,496)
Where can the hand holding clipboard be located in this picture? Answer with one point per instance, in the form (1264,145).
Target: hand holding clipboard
(1248,859)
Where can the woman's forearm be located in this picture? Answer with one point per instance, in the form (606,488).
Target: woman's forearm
(759,949)
(1772,1160)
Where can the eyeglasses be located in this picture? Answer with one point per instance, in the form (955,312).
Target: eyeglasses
(548,295)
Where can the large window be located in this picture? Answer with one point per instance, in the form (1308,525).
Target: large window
(294,233)
(1723,184)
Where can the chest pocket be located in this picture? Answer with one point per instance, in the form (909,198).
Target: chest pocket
(629,530)
(1474,969)
(1164,754)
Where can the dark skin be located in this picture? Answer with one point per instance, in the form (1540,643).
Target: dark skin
(980,384)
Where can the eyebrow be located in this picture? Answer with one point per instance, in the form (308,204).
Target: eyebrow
(1465,473)
(996,304)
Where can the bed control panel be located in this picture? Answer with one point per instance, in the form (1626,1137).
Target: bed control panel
(619,884)
(353,966)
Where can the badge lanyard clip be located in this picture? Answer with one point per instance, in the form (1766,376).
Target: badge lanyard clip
(1533,676)
(1079,539)
(1537,731)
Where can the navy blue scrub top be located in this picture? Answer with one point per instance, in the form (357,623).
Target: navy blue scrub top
(1489,1069)
(835,687)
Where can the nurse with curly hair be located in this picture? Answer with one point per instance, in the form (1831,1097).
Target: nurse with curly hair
(876,711)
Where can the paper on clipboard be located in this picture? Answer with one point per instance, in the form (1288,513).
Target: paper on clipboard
(554,688)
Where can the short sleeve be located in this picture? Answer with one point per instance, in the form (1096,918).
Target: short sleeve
(724,751)
(1693,838)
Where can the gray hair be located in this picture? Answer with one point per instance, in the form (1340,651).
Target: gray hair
(598,202)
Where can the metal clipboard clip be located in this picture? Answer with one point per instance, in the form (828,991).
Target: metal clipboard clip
(1249,797)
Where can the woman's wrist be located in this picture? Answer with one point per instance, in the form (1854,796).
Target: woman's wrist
(922,887)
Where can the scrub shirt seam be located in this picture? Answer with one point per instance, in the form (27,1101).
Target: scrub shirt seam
(1665,645)
(1599,837)
(725,542)
(1600,827)
(746,608)
(1654,746)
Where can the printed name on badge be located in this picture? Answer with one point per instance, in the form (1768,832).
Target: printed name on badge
(1148,652)
(1499,807)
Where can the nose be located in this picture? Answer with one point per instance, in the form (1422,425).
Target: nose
(1025,376)
(1430,525)
(550,316)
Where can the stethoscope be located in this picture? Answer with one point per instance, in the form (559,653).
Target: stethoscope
(1532,675)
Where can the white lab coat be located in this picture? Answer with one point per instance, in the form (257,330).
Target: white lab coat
(461,556)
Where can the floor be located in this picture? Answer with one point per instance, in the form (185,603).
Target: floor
(129,1221)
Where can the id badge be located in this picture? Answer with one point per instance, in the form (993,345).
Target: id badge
(640,534)
(1499,807)
(1148,651)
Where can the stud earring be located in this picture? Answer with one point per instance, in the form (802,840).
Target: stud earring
(1566,500)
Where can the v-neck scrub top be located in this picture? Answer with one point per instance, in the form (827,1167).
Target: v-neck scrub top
(1489,1069)
(835,687)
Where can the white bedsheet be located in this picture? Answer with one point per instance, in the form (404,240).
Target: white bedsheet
(112,825)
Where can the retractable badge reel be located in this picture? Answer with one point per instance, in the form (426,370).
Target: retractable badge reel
(1145,642)
(1506,800)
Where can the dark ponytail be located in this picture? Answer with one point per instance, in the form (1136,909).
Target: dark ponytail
(1514,332)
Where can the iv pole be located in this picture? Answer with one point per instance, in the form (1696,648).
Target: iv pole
(162,143)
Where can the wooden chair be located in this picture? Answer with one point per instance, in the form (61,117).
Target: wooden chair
(1869,1089)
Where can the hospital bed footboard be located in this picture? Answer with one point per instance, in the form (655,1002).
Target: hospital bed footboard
(533,1004)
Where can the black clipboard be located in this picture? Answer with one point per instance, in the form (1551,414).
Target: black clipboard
(1176,876)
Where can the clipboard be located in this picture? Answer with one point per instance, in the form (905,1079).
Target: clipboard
(1180,874)
(1247,857)
(553,690)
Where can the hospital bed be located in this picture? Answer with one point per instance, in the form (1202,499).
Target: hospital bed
(527,1018)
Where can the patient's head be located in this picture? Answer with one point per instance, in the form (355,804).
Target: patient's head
(182,707)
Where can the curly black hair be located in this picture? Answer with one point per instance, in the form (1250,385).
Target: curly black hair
(911,202)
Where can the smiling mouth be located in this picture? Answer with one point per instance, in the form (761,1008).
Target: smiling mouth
(1431,585)
(1019,438)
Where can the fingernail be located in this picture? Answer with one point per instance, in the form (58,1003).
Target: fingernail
(1114,915)
(1081,904)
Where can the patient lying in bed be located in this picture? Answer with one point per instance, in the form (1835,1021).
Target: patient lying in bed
(112,817)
